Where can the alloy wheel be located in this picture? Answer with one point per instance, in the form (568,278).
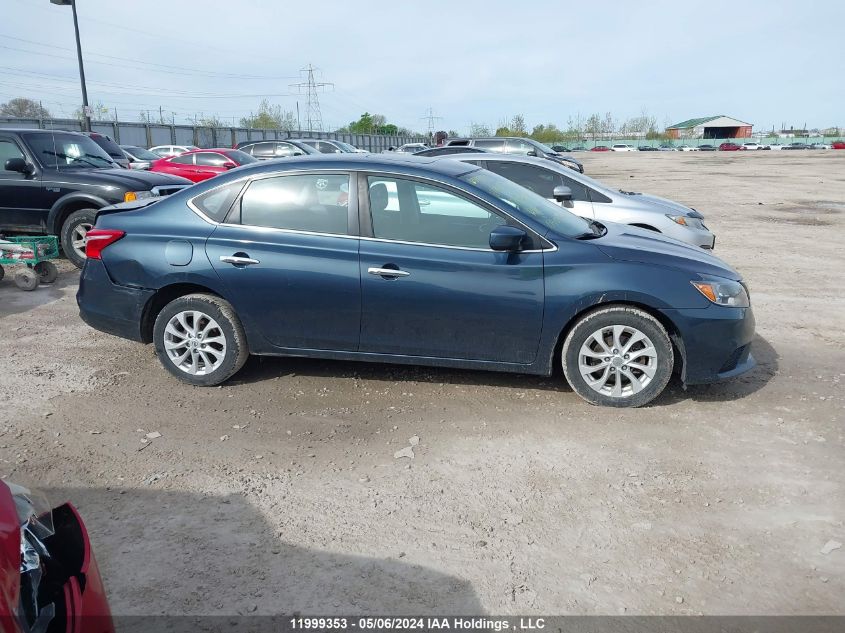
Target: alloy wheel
(617,361)
(194,342)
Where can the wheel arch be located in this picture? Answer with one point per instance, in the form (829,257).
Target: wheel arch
(161,298)
(674,333)
(66,205)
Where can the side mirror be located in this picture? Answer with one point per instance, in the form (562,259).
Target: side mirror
(562,193)
(298,153)
(507,238)
(531,152)
(19,165)
(230,165)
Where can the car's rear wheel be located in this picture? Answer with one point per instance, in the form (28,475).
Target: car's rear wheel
(73,232)
(618,356)
(200,340)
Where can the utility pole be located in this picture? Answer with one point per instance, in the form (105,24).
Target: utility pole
(313,117)
(86,116)
(160,114)
(431,119)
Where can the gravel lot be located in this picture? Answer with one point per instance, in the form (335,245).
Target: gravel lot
(279,492)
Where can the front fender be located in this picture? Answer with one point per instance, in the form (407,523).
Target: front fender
(57,211)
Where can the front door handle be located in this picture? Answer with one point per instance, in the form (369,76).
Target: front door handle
(388,272)
(238,261)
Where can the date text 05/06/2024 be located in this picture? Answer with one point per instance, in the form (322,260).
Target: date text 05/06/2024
(416,623)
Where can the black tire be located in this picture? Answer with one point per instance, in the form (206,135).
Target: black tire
(2,273)
(47,272)
(76,220)
(26,279)
(235,352)
(619,374)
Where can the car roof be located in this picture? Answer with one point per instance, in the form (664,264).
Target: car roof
(370,162)
(39,131)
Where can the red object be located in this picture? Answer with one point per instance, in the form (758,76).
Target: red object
(97,239)
(600,148)
(76,589)
(184,164)
(838,145)
(729,147)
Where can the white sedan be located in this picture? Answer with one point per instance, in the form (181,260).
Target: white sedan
(751,146)
(622,147)
(687,148)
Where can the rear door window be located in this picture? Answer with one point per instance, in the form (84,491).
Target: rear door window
(316,203)
(186,159)
(211,159)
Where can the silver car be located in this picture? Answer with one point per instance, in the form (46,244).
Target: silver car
(589,198)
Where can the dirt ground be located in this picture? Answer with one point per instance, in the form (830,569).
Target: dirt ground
(280,492)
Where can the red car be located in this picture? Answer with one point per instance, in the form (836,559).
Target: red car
(729,147)
(600,148)
(49,580)
(838,145)
(202,164)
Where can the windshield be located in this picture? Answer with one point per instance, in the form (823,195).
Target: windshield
(241,158)
(61,150)
(545,148)
(140,153)
(345,146)
(534,206)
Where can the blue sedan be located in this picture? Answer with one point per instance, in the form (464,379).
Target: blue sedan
(410,260)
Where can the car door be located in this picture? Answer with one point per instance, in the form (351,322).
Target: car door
(430,284)
(288,255)
(543,181)
(22,204)
(179,166)
(209,164)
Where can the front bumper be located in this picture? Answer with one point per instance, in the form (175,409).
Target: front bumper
(715,342)
(109,307)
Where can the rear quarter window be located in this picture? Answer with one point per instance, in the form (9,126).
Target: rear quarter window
(215,204)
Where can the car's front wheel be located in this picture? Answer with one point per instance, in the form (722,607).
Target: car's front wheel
(200,340)
(619,356)
(73,233)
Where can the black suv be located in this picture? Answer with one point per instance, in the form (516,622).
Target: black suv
(54,182)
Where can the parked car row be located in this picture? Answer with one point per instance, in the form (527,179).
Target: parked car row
(517,145)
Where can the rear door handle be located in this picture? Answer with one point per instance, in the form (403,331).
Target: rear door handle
(388,272)
(238,261)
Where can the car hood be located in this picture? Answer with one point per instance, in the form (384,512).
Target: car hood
(631,244)
(133,180)
(652,202)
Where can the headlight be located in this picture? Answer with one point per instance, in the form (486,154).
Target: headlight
(129,196)
(724,293)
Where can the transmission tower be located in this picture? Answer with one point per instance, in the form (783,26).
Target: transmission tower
(313,118)
(431,119)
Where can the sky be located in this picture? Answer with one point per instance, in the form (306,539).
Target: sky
(767,62)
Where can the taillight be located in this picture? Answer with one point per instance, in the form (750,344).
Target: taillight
(97,239)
